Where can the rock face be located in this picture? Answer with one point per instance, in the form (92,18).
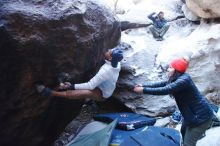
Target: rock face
(204,9)
(207,79)
(38,40)
(138,68)
(189,14)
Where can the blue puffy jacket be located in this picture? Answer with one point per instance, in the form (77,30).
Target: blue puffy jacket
(192,105)
(158,23)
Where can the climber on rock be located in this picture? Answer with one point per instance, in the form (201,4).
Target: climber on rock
(100,87)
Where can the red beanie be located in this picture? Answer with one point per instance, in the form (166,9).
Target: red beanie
(180,65)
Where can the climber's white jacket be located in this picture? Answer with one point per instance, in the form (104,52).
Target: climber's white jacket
(105,80)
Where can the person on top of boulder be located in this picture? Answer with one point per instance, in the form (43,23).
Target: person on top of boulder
(160,25)
(196,112)
(100,87)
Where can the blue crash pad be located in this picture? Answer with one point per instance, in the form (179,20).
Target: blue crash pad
(126,121)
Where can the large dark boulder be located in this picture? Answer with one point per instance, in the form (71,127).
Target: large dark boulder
(38,40)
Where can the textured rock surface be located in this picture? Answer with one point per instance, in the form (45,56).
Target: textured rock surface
(204,9)
(38,40)
(189,14)
(138,67)
(205,70)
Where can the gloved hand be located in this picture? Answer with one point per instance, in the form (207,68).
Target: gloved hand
(43,90)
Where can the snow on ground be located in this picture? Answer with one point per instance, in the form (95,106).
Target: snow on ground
(212,138)
(138,10)
(194,44)
(140,39)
